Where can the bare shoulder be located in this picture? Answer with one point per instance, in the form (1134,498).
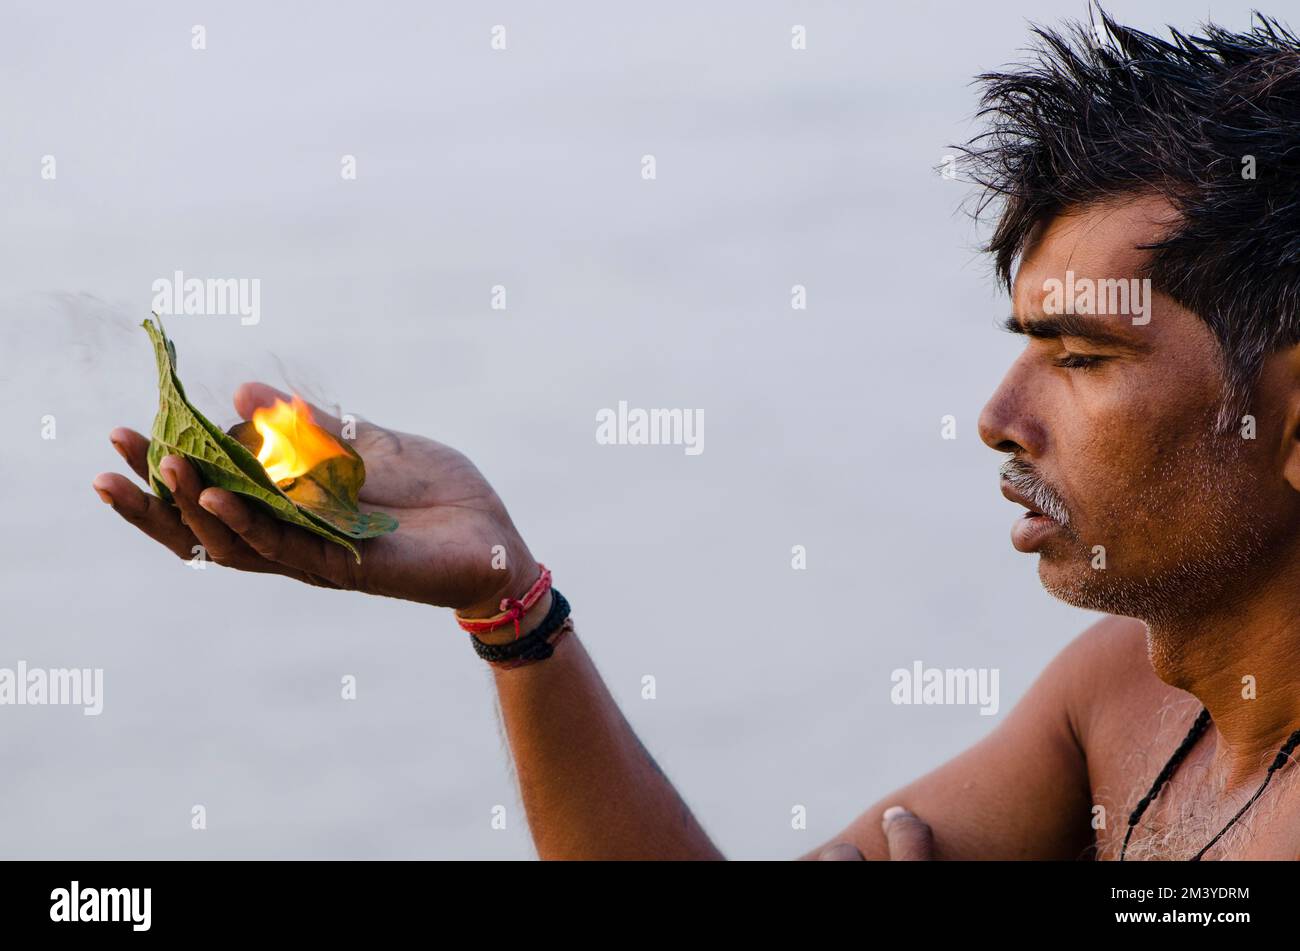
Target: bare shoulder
(1112,642)
(1110,689)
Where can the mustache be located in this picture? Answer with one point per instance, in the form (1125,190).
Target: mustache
(1026,480)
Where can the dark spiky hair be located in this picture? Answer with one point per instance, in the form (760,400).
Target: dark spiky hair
(1110,111)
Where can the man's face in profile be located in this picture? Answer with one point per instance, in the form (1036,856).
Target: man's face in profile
(1110,420)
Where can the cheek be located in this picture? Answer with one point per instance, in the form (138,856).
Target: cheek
(1104,460)
(1166,498)
(1126,444)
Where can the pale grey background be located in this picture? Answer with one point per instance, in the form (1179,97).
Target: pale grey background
(521,168)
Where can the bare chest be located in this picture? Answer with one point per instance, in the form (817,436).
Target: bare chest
(1193,807)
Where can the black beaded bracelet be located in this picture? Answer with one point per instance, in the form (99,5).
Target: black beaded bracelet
(533,645)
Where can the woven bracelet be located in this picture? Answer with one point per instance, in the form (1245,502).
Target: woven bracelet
(512,609)
(533,646)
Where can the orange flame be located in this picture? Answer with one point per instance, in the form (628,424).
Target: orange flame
(291,442)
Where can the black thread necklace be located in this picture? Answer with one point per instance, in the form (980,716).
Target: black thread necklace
(1198,727)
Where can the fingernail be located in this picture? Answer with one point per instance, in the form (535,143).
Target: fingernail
(168,475)
(121,450)
(840,852)
(103,496)
(892,813)
(208,504)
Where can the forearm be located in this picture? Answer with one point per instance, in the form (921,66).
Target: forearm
(590,789)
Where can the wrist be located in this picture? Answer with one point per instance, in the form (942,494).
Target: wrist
(516,588)
(537,645)
(531,619)
(512,583)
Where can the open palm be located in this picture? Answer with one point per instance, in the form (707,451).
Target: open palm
(445,550)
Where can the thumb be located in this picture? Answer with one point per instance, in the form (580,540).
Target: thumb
(910,839)
(253,396)
(840,852)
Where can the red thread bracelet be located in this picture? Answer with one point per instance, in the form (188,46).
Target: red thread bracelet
(512,609)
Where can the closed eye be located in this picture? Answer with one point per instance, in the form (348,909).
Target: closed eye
(1078,361)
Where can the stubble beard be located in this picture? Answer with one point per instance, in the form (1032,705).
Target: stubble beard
(1201,567)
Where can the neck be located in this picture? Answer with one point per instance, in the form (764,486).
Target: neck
(1241,659)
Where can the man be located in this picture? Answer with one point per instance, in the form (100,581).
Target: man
(1149,198)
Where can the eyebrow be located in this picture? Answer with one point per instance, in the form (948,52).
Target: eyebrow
(1070,325)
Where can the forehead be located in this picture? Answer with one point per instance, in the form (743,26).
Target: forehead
(1098,241)
(1102,242)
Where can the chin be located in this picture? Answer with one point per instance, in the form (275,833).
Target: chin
(1157,598)
(1072,579)
(1066,582)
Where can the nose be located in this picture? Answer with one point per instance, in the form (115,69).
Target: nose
(1007,422)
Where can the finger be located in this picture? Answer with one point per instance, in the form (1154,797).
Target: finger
(132,447)
(841,852)
(222,545)
(281,543)
(910,839)
(254,396)
(162,522)
(147,512)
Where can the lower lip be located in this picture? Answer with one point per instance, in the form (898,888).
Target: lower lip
(1029,532)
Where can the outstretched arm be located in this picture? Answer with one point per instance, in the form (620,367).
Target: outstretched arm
(590,789)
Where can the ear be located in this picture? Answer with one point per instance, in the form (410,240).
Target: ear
(1282,376)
